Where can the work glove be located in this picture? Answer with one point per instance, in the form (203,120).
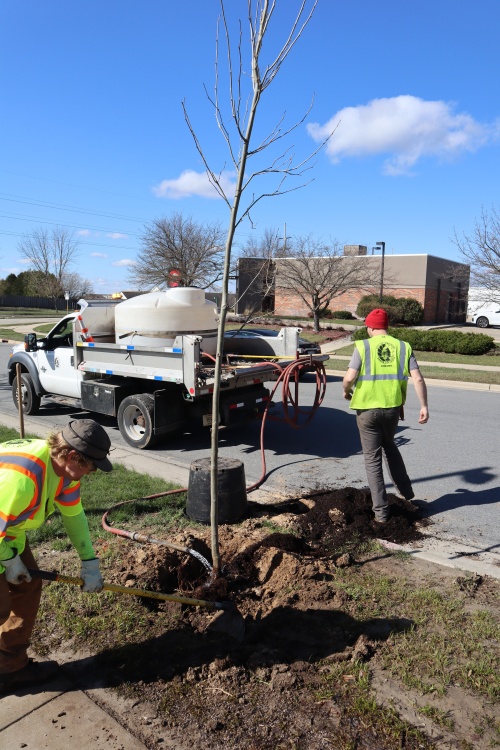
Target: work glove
(92,578)
(16,571)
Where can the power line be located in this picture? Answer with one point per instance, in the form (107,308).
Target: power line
(80,242)
(80,187)
(23,217)
(63,207)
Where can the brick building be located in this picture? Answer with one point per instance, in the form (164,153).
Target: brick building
(440,285)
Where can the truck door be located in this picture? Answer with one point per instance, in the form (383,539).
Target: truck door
(55,359)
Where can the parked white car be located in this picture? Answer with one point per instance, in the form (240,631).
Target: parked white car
(487,316)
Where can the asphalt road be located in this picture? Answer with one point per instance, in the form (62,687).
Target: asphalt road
(452,460)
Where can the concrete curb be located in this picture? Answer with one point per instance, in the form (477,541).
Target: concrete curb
(450,555)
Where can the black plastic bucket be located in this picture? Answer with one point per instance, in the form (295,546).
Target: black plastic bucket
(232,492)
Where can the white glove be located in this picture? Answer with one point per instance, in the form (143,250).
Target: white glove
(15,570)
(92,578)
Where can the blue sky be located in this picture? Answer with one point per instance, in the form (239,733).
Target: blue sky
(93,134)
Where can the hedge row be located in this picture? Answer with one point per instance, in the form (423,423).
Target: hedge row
(451,342)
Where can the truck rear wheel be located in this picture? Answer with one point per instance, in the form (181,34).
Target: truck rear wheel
(136,419)
(29,398)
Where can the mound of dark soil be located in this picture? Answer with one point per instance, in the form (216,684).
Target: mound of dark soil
(278,568)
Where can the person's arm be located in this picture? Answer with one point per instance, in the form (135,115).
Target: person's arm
(77,528)
(348,382)
(421,391)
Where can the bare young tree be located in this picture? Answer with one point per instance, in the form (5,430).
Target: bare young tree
(236,123)
(51,253)
(481,249)
(176,243)
(317,273)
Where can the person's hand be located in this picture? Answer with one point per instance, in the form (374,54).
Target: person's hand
(92,578)
(16,571)
(424,415)
(347,395)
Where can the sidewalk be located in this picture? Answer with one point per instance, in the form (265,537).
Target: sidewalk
(58,716)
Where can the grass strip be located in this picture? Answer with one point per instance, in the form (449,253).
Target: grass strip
(435,372)
(490,360)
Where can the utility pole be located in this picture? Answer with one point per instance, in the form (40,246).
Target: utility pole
(382,246)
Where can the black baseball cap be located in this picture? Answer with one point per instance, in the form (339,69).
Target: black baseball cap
(91,440)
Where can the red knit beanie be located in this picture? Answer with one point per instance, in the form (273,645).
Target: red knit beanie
(377,319)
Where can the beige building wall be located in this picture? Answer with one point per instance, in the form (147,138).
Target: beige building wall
(440,285)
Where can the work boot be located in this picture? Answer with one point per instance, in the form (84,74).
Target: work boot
(34,673)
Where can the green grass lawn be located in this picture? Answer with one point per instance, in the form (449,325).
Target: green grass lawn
(24,312)
(491,360)
(439,373)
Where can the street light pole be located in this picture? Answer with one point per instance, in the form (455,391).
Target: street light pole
(382,246)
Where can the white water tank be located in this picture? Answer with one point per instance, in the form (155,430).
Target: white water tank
(155,319)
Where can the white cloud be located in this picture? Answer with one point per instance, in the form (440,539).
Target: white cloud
(117,236)
(191,183)
(98,255)
(125,262)
(24,261)
(84,232)
(404,127)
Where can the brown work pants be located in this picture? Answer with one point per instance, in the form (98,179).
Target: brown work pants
(18,610)
(377,428)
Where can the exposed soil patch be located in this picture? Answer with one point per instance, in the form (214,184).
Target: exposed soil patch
(200,688)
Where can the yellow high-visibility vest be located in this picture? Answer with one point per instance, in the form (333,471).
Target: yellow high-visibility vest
(30,490)
(383,377)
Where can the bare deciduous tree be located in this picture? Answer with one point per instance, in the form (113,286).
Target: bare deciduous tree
(269,245)
(260,254)
(76,285)
(51,253)
(180,244)
(481,249)
(236,122)
(318,273)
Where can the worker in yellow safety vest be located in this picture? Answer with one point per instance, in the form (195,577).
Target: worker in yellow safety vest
(36,477)
(378,372)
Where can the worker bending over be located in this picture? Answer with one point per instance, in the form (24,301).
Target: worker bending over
(36,477)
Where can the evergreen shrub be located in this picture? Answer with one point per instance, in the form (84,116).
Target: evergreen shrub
(450,342)
(341,315)
(400,310)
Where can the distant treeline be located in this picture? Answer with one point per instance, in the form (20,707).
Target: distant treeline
(46,303)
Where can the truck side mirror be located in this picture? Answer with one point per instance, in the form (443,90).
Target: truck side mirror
(30,342)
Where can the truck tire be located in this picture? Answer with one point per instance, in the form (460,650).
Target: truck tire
(29,397)
(136,419)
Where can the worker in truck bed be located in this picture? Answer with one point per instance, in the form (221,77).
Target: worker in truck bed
(36,477)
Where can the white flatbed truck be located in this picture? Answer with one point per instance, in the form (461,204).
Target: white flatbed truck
(151,390)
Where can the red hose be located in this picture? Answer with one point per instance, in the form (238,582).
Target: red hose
(292,412)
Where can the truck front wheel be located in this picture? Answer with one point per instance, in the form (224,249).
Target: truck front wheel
(136,419)
(29,398)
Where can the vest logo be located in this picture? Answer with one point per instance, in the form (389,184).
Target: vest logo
(386,354)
